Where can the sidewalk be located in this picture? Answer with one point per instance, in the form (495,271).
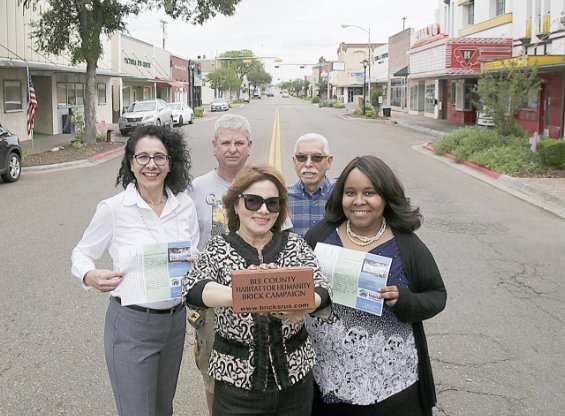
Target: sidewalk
(44,143)
(546,193)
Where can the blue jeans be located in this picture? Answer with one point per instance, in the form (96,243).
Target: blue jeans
(293,401)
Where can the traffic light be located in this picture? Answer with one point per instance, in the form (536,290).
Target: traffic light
(301,66)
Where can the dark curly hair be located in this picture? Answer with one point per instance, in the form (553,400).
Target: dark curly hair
(398,212)
(178,178)
(244,179)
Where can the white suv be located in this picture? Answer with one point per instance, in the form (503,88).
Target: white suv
(142,113)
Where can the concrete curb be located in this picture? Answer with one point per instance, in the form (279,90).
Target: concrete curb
(421,129)
(91,161)
(509,184)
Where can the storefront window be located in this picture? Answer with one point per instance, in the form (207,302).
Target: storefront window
(101,93)
(468,98)
(79,94)
(146,93)
(414,98)
(533,100)
(71,94)
(61,93)
(430,98)
(12,95)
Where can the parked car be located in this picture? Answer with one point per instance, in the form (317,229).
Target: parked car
(271,92)
(285,94)
(219,104)
(182,113)
(10,155)
(257,94)
(142,113)
(244,97)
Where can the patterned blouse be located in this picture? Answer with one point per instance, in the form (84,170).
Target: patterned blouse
(253,350)
(364,358)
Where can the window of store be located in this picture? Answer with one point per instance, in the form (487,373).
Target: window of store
(61,93)
(533,100)
(398,93)
(414,98)
(463,96)
(101,88)
(469,14)
(12,96)
(500,7)
(430,98)
(70,93)
(79,88)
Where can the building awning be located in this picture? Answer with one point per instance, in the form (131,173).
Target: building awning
(171,83)
(41,66)
(138,79)
(541,62)
(403,72)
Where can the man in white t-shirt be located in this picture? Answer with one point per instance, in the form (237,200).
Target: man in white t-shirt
(232,145)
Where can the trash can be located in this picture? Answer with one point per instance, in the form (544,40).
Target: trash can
(68,125)
(386,111)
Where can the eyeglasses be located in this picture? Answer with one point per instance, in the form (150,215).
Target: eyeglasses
(255,202)
(314,158)
(143,159)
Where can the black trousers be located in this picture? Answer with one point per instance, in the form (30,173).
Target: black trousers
(405,403)
(293,401)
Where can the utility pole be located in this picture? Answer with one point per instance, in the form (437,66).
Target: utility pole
(164,24)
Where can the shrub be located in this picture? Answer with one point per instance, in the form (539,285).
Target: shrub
(323,103)
(506,159)
(369,112)
(199,112)
(315,100)
(468,140)
(337,104)
(551,153)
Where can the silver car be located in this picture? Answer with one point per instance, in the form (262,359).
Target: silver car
(219,104)
(142,113)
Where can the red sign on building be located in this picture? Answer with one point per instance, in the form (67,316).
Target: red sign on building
(465,55)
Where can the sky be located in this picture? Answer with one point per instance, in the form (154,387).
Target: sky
(296,31)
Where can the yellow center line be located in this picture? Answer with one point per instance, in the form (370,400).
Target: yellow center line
(275,149)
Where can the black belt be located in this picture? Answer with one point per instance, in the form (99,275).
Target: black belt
(137,308)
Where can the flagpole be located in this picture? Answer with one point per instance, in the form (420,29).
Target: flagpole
(28,99)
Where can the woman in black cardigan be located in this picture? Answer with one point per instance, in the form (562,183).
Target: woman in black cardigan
(371,365)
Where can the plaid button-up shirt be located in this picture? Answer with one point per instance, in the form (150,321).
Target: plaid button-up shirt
(306,210)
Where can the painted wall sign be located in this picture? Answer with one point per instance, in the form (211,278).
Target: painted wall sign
(466,55)
(137,62)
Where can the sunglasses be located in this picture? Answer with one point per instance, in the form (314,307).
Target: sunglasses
(255,202)
(314,158)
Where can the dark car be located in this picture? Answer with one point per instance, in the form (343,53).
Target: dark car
(10,155)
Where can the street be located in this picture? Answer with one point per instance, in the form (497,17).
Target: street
(496,349)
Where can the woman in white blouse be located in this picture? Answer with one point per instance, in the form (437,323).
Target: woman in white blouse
(143,343)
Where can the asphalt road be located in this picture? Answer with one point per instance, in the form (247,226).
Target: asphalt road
(496,349)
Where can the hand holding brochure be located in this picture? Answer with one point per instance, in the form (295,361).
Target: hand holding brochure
(153,271)
(355,276)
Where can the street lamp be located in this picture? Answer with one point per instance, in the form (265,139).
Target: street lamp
(365,64)
(191,77)
(368,32)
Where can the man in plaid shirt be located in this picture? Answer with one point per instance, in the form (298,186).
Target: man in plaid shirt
(307,198)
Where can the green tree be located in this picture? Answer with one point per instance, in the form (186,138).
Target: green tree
(224,79)
(75,27)
(242,62)
(259,78)
(502,93)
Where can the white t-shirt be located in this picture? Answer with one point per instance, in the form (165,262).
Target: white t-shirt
(126,219)
(207,192)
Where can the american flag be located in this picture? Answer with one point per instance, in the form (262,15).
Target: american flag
(32,105)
